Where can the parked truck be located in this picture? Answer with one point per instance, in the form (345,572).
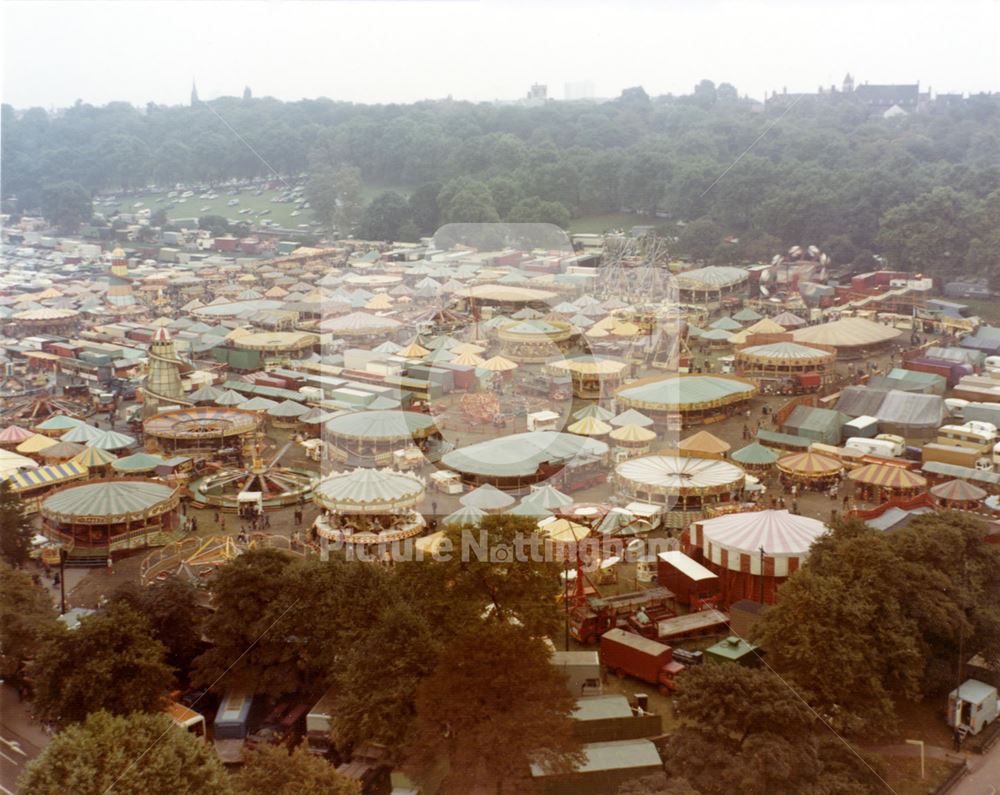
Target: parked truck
(692,625)
(625,653)
(968,457)
(973,706)
(637,609)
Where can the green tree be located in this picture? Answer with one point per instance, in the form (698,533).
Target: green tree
(700,239)
(745,730)
(171,608)
(424,207)
(15,527)
(218,225)
(497,670)
(505,193)
(27,619)
(335,195)
(378,677)
(110,662)
(534,210)
(134,753)
(384,217)
(930,234)
(66,204)
(272,770)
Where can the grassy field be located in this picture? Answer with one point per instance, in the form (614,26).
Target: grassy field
(596,224)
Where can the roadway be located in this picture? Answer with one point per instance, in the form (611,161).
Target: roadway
(983,777)
(21,739)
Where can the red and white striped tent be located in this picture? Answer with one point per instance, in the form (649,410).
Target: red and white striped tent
(755,551)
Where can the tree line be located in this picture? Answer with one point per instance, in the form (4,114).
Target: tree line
(920,190)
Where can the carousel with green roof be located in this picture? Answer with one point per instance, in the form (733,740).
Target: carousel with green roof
(783,360)
(102,519)
(534,341)
(677,401)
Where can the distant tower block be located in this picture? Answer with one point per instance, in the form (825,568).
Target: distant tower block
(120,290)
(848,83)
(163,381)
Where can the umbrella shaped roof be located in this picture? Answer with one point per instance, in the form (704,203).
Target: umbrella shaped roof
(229,398)
(780,533)
(287,408)
(62,449)
(632,433)
(58,422)
(206,393)
(137,462)
(14,433)
(369,491)
(958,491)
(590,426)
(112,440)
(258,404)
(9,461)
(809,464)
(95,457)
(548,496)
(631,417)
(747,315)
(681,475)
(82,433)
(498,364)
(388,424)
(35,444)
(726,324)
(755,454)
(110,498)
(467,514)
(705,442)
(593,410)
(887,476)
(488,498)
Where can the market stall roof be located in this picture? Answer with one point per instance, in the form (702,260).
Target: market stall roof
(108,500)
(369,491)
(520,454)
(631,417)
(258,404)
(590,426)
(287,408)
(686,392)
(112,440)
(58,422)
(467,514)
(809,465)
(681,475)
(595,411)
(632,433)
(413,351)
(547,496)
(755,454)
(958,491)
(887,476)
(95,457)
(14,434)
(498,364)
(726,324)
(137,462)
(848,332)
(705,442)
(359,324)
(62,449)
(788,320)
(381,425)
(230,398)
(778,532)
(713,277)
(747,315)
(25,479)
(35,444)
(11,462)
(207,393)
(487,498)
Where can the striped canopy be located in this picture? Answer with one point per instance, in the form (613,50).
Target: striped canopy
(14,434)
(958,491)
(809,465)
(29,478)
(886,476)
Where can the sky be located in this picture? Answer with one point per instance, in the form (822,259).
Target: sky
(383,51)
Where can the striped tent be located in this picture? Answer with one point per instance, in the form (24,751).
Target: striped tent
(95,457)
(41,476)
(809,466)
(886,476)
(957,491)
(14,435)
(590,426)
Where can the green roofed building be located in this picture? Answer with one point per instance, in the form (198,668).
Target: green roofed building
(687,399)
(733,649)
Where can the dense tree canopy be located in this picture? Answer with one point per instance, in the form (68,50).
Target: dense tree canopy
(110,662)
(272,770)
(829,167)
(27,619)
(134,753)
(15,527)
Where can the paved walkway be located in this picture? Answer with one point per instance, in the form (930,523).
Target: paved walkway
(21,738)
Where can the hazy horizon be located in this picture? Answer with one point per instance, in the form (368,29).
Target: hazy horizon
(401,52)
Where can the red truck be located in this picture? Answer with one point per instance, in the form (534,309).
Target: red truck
(640,610)
(648,660)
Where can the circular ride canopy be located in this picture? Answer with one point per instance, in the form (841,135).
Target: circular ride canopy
(200,422)
(885,476)
(109,502)
(779,533)
(785,354)
(677,475)
(381,425)
(521,454)
(369,491)
(848,332)
(809,465)
(686,392)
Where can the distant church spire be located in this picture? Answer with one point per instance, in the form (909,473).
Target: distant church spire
(194,93)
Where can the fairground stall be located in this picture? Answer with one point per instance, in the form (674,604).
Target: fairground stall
(686,487)
(369,438)
(593,377)
(780,363)
(534,341)
(884,482)
(753,552)
(809,470)
(202,431)
(100,519)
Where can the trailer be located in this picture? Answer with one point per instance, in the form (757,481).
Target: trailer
(644,659)
(319,724)
(704,622)
(588,622)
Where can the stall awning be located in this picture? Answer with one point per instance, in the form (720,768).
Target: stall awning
(32,478)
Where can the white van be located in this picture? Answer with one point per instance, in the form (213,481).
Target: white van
(879,447)
(898,441)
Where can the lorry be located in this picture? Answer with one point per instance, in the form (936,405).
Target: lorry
(704,622)
(972,706)
(800,383)
(582,669)
(319,725)
(968,457)
(625,653)
(641,609)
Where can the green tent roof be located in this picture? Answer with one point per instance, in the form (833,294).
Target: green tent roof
(755,454)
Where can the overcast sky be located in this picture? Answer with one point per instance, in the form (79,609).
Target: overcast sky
(57,52)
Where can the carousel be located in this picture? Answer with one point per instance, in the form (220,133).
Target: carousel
(593,377)
(958,494)
(755,458)
(534,341)
(101,519)
(683,400)
(883,482)
(782,361)
(809,470)
(369,438)
(368,507)
(688,487)
(202,431)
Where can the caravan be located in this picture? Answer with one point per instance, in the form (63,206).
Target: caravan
(882,448)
